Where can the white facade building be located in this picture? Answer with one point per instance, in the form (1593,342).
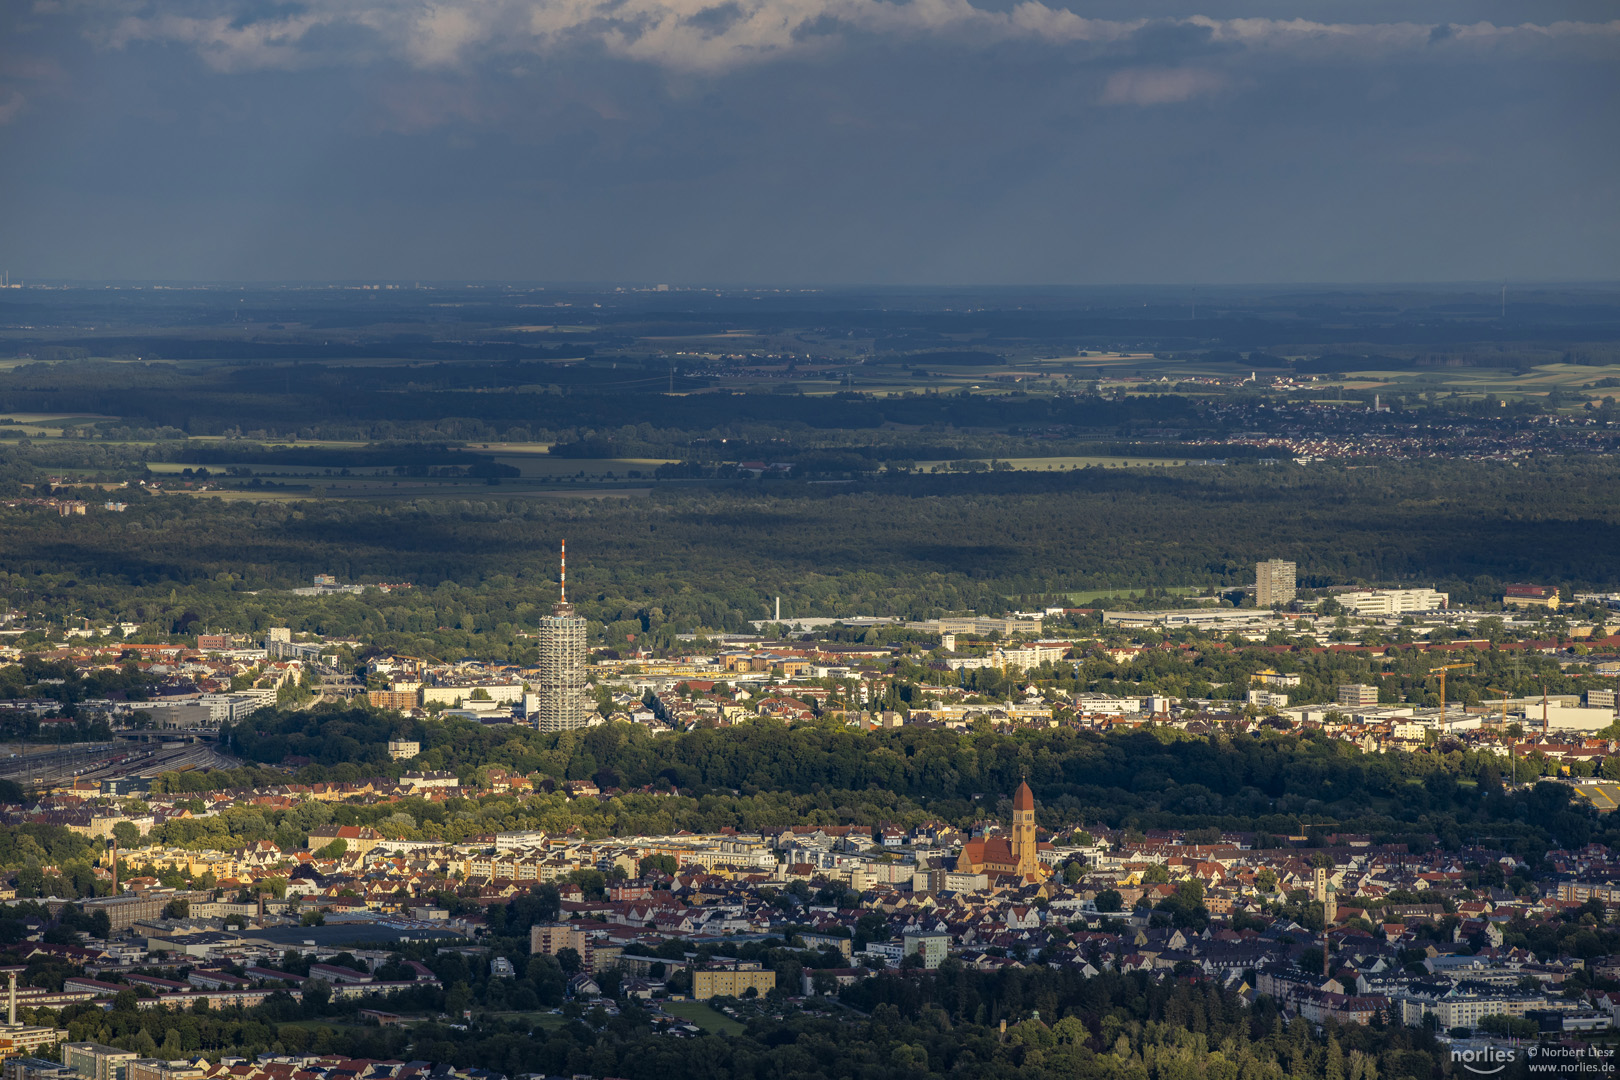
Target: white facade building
(1368,602)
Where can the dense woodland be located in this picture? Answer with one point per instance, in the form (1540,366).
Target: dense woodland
(421,379)
(474,401)
(765,774)
(483,568)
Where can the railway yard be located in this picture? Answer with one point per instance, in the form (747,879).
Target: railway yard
(107,761)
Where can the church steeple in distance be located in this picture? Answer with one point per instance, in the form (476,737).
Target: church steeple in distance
(1023,832)
(1017,855)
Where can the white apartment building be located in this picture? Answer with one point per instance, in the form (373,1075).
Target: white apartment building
(496,693)
(229,708)
(1276,678)
(1455,1009)
(1037,653)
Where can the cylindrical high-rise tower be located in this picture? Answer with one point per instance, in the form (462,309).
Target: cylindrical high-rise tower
(563,705)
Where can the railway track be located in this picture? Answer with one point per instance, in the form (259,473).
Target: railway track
(109,762)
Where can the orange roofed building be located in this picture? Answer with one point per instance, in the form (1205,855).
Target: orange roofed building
(1019,856)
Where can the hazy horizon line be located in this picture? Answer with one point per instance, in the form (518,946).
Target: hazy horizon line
(658,287)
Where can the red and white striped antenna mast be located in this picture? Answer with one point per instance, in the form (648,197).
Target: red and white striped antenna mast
(563,580)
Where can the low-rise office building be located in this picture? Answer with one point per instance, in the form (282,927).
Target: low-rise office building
(1372,602)
(1356,695)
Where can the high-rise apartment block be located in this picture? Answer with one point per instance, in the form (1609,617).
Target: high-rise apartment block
(560,687)
(549,939)
(1273,583)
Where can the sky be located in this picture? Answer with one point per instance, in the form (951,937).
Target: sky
(811,141)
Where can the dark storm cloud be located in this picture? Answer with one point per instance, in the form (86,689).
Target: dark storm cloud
(927,140)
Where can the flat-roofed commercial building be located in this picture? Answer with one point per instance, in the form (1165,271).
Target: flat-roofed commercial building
(1370,602)
(124,912)
(1529,596)
(159,1069)
(32,1068)
(1569,718)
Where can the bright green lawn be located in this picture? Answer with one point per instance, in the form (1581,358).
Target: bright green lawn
(704,1017)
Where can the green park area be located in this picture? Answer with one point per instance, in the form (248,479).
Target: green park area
(703,1016)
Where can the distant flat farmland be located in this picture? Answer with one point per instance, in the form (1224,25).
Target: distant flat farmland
(546,467)
(1056,464)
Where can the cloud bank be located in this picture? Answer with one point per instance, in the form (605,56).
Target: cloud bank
(717,35)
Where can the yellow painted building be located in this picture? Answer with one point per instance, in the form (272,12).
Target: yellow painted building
(27,1039)
(708,984)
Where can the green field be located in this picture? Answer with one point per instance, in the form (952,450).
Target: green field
(704,1017)
(1096,594)
(316,1025)
(49,425)
(548,1020)
(532,465)
(296,444)
(358,488)
(175,468)
(544,466)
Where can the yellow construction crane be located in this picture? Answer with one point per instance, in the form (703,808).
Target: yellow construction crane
(1505,696)
(1441,671)
(1513,749)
